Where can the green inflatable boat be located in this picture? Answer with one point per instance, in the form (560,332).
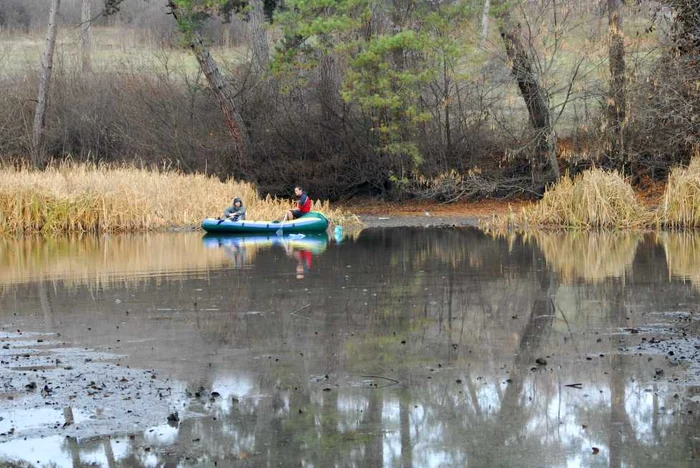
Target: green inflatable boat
(310,222)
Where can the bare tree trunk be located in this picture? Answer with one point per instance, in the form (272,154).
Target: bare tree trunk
(86,36)
(617,99)
(221,88)
(536,99)
(44,82)
(329,90)
(485,22)
(261,49)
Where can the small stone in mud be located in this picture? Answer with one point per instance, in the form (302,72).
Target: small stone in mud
(541,361)
(215,394)
(458,380)
(173,417)
(403,341)
(7,346)
(327,389)
(596,450)
(31,386)
(658,371)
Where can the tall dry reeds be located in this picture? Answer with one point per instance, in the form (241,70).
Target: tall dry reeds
(594,199)
(588,256)
(84,197)
(681,203)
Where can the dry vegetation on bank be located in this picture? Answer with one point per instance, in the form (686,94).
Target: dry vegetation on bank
(599,199)
(84,197)
(680,208)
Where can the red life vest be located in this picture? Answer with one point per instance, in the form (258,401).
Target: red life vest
(306,206)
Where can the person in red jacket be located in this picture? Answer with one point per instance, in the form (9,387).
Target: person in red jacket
(303,205)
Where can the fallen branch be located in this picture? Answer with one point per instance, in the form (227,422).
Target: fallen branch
(294,313)
(380,377)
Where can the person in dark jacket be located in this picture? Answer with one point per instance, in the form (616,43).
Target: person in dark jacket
(235,212)
(304,204)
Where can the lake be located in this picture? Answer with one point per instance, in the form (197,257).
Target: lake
(395,347)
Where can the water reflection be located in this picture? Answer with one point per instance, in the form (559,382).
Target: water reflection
(403,347)
(682,255)
(104,261)
(241,248)
(588,256)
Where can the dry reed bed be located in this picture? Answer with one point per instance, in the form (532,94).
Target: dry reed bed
(681,203)
(80,197)
(598,199)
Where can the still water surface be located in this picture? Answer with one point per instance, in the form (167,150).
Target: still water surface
(401,347)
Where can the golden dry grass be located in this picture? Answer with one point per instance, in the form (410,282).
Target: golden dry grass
(81,197)
(680,208)
(588,256)
(594,199)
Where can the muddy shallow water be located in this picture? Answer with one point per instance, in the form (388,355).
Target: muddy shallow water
(401,347)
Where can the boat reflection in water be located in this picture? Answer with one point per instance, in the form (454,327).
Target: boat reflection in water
(243,248)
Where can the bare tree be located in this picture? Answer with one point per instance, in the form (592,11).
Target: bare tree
(86,35)
(532,91)
(485,22)
(221,88)
(44,82)
(617,97)
(261,49)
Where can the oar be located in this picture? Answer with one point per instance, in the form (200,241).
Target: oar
(279,231)
(227,219)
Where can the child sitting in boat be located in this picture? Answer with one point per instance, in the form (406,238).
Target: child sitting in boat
(235,212)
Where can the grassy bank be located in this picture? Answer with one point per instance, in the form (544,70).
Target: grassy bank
(80,197)
(598,199)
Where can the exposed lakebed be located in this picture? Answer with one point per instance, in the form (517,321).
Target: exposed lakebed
(403,346)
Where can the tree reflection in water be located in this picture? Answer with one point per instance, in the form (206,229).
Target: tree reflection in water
(410,347)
